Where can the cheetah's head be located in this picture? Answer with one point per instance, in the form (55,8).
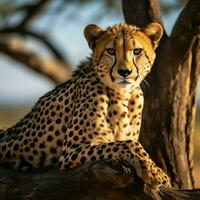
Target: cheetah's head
(123,54)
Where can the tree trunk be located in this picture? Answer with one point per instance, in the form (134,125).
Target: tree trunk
(169,111)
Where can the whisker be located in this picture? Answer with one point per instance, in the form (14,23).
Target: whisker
(146,82)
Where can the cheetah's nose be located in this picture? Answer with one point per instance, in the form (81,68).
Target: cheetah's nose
(124,72)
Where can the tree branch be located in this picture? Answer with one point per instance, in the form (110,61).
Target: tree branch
(185,29)
(141,13)
(32,11)
(44,39)
(177,73)
(55,70)
(100,180)
(167,134)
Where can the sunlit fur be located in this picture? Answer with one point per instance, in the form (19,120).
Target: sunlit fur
(123,39)
(95,115)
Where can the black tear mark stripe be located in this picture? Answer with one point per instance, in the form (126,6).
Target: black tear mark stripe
(137,69)
(115,61)
(147,57)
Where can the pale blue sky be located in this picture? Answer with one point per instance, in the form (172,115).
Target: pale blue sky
(18,85)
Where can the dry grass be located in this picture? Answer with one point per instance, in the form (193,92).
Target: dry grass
(10,115)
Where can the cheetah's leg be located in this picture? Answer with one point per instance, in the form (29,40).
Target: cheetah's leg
(131,151)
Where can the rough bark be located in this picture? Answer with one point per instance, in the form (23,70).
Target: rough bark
(170,101)
(89,182)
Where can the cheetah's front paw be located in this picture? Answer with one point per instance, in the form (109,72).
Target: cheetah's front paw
(155,180)
(161,177)
(152,176)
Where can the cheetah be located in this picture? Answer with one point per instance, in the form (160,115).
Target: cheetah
(95,115)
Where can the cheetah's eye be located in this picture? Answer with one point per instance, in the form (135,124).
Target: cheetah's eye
(111,51)
(137,51)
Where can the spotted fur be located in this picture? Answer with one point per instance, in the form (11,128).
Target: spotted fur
(96,114)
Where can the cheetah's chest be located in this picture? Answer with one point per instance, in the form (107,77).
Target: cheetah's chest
(121,122)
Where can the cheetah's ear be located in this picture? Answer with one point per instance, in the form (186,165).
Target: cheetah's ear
(154,31)
(92,32)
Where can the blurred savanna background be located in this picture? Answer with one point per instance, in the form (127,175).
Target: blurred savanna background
(41,42)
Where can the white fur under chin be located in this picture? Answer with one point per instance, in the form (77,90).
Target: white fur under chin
(127,85)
